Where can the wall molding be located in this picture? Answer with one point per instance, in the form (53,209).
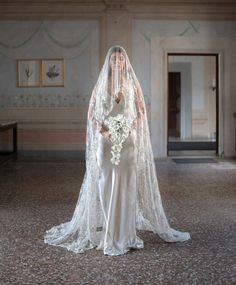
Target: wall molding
(168,9)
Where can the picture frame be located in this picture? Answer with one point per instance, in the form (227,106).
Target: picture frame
(52,73)
(28,73)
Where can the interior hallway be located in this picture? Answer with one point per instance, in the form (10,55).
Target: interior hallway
(199,198)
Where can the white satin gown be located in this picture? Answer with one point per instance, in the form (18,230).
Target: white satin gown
(117,189)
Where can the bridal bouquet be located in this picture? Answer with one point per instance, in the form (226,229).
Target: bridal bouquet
(119,130)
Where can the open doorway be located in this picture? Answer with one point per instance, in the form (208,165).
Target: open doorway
(192,104)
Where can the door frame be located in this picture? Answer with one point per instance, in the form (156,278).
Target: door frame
(216,55)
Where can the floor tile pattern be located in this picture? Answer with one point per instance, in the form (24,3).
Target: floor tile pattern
(199,198)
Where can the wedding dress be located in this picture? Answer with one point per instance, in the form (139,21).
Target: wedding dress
(117,186)
(116,198)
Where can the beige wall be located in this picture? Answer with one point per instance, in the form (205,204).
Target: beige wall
(147,32)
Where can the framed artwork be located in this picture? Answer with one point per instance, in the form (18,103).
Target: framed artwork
(28,72)
(53,72)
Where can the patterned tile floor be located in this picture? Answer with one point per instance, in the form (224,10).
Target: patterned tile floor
(199,198)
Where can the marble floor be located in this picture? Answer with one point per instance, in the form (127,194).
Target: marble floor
(199,198)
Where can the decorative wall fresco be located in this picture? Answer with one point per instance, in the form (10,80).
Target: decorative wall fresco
(42,101)
(77,42)
(48,101)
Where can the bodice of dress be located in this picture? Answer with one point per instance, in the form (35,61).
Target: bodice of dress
(118,108)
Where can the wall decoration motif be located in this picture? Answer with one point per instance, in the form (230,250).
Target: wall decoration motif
(28,72)
(49,100)
(53,72)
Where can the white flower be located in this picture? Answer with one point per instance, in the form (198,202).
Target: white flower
(119,130)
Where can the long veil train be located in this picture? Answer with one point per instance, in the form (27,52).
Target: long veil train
(83,232)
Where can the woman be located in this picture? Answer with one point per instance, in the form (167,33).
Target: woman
(120,191)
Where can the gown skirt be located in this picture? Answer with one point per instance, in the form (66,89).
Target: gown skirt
(117,192)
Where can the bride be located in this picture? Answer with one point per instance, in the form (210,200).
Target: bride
(120,192)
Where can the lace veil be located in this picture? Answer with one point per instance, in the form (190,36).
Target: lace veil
(84,230)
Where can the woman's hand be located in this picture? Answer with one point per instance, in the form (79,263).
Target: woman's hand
(105,133)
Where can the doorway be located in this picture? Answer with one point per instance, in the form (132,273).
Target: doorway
(192,104)
(174,106)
